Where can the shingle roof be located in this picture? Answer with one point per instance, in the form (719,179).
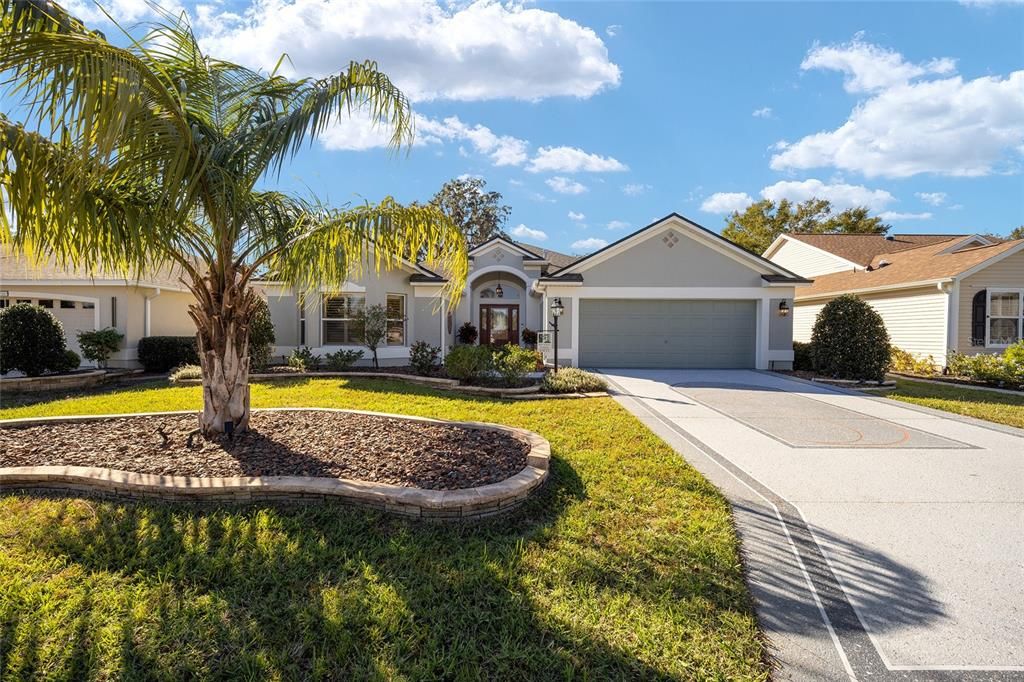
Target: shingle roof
(557,260)
(15,266)
(861,248)
(922,264)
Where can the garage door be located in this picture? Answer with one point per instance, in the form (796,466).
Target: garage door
(656,333)
(75,317)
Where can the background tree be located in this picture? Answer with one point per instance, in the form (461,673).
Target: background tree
(136,158)
(373,327)
(762,222)
(1016,233)
(477,213)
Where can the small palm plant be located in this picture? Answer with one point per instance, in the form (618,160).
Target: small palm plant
(149,156)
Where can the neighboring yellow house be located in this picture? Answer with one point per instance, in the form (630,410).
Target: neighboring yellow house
(82,301)
(936,293)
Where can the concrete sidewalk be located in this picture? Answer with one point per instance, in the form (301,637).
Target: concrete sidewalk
(881,541)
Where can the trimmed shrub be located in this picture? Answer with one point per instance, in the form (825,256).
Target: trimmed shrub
(261,337)
(467,333)
(163,353)
(424,358)
(902,361)
(802,361)
(849,341)
(100,344)
(341,360)
(572,380)
(285,369)
(529,337)
(467,363)
(303,359)
(31,340)
(186,372)
(514,363)
(71,361)
(1006,369)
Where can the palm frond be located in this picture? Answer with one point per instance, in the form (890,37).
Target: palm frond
(329,247)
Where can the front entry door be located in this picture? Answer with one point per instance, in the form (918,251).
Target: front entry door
(499,324)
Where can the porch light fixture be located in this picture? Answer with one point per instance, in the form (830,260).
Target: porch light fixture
(556,312)
(498,291)
(783,309)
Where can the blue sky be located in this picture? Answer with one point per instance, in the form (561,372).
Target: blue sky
(595,118)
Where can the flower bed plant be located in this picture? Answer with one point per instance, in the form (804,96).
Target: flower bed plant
(573,380)
(1004,370)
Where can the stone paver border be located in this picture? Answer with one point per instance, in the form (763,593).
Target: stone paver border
(448,505)
(53,382)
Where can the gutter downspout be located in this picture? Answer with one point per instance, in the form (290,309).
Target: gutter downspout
(147,314)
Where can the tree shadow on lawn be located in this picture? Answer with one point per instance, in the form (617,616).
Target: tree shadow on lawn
(331,592)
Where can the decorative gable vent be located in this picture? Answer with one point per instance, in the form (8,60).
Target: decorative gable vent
(499,255)
(670,239)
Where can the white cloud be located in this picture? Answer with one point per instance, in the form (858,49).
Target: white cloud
(947,126)
(576,217)
(763,112)
(572,160)
(477,51)
(933,198)
(515,183)
(635,189)
(870,68)
(726,202)
(618,225)
(896,216)
(565,185)
(503,150)
(841,195)
(990,3)
(591,244)
(613,30)
(524,232)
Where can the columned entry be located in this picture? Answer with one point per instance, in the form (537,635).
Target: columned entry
(499,324)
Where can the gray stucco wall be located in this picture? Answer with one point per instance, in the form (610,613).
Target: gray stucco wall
(564,324)
(780,329)
(424,314)
(687,263)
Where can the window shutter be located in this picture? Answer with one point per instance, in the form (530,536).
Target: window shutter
(978,315)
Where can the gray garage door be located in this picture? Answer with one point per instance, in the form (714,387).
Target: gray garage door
(655,333)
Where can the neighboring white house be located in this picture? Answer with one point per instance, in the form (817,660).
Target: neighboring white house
(936,293)
(84,301)
(672,294)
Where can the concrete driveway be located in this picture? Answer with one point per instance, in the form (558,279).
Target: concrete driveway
(881,541)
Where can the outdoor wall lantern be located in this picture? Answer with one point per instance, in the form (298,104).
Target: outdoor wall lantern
(556,312)
(498,291)
(783,309)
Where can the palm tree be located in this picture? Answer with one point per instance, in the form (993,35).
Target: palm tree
(137,158)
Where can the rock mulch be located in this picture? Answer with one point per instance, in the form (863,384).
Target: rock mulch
(302,443)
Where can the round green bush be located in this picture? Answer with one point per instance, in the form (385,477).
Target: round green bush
(849,341)
(31,340)
(467,363)
(72,361)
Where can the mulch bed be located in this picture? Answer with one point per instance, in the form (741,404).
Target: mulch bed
(328,444)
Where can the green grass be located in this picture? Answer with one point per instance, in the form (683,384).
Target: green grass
(624,566)
(1001,408)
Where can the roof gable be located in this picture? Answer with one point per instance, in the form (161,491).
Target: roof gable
(495,242)
(699,233)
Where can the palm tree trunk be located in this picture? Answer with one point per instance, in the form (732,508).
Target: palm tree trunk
(222,340)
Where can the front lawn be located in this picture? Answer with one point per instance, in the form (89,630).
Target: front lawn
(1001,408)
(625,566)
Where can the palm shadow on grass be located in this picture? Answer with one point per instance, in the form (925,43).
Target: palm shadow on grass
(329,592)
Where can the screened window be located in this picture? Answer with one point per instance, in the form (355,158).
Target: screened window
(46,303)
(1005,316)
(88,305)
(67,305)
(341,326)
(396,319)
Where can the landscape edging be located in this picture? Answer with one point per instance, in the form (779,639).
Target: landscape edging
(523,393)
(465,504)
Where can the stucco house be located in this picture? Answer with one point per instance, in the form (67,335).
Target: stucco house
(82,301)
(936,293)
(672,294)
